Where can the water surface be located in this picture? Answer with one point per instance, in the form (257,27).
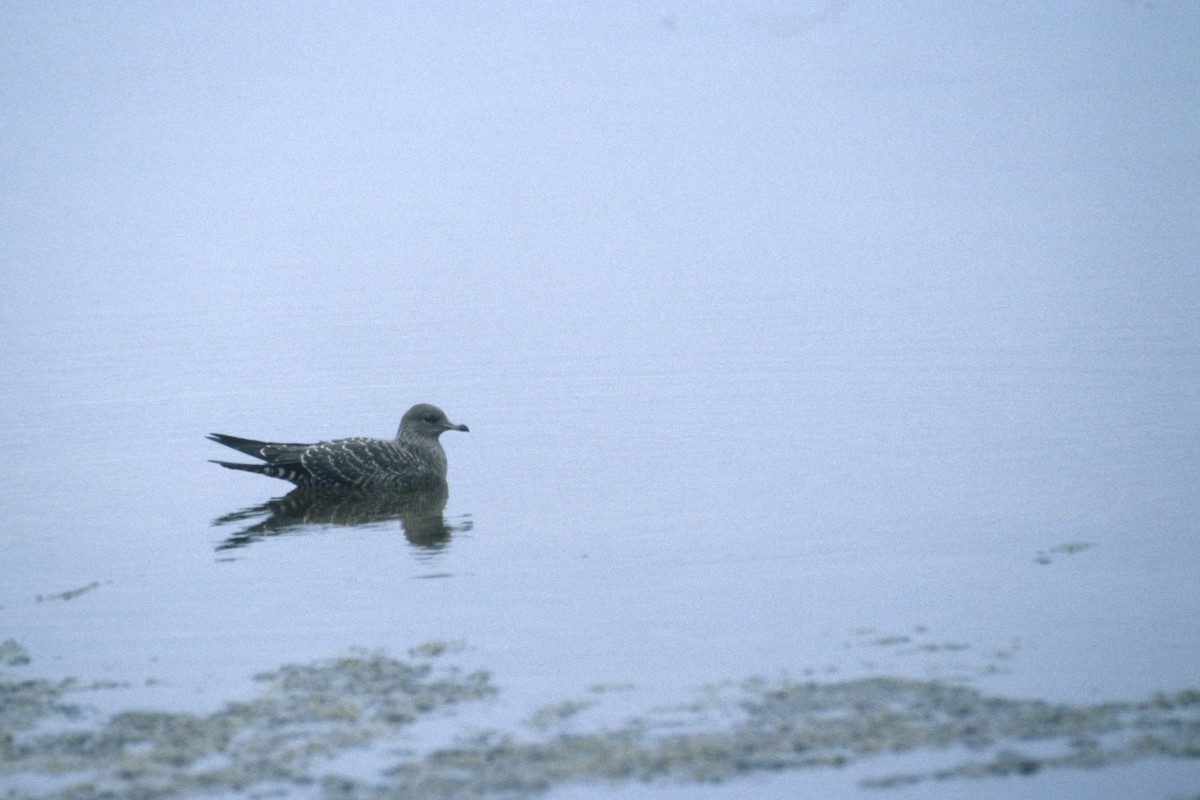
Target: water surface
(803,344)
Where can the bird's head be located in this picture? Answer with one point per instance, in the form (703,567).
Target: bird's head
(428,421)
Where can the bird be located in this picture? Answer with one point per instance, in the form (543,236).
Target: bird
(413,459)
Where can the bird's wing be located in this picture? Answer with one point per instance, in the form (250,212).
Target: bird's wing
(274,452)
(354,462)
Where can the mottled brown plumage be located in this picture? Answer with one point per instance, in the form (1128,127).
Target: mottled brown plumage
(414,458)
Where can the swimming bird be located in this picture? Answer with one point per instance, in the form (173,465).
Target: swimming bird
(414,458)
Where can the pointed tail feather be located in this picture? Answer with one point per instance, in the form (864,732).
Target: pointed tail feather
(250,447)
(293,473)
(268,451)
(260,468)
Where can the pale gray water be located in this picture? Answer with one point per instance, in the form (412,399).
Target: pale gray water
(833,342)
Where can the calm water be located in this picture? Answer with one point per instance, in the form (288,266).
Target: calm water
(830,344)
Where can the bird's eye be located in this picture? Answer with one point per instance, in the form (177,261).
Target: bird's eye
(431,418)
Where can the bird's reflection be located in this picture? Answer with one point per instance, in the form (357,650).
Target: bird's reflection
(418,510)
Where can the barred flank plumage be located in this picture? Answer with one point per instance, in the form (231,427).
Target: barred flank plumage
(413,458)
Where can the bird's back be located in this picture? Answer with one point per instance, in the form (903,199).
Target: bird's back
(359,462)
(414,458)
(366,463)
